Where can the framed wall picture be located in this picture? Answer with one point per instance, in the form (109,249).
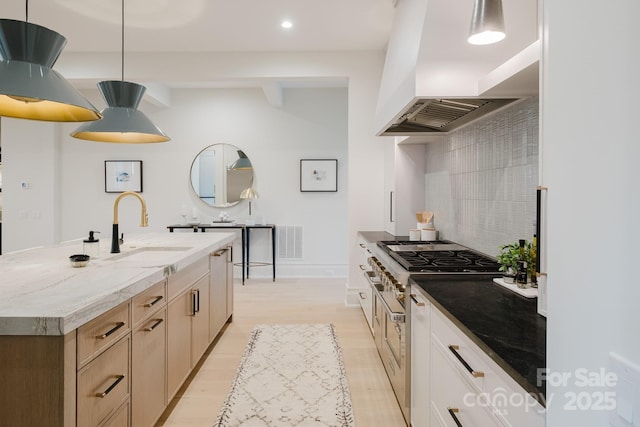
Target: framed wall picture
(122,175)
(318,175)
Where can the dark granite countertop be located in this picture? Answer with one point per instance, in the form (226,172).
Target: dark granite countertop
(504,325)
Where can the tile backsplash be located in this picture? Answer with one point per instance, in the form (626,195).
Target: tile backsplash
(480,182)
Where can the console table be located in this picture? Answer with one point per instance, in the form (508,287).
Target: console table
(246,242)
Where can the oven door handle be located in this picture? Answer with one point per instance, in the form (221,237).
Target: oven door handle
(393,316)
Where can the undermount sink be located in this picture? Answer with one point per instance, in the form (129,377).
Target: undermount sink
(149,254)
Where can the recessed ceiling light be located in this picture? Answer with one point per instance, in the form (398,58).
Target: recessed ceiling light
(286,24)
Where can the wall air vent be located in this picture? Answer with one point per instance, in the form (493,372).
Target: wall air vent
(289,242)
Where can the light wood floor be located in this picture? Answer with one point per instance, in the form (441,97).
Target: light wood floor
(290,301)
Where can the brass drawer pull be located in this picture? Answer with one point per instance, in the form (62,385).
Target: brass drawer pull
(155,301)
(111,331)
(220,252)
(362,267)
(415,300)
(362,295)
(453,412)
(155,325)
(475,374)
(111,387)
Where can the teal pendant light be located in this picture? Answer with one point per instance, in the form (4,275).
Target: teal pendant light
(242,163)
(29,87)
(122,122)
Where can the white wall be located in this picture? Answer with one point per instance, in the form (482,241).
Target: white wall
(481,180)
(361,186)
(590,165)
(29,153)
(312,123)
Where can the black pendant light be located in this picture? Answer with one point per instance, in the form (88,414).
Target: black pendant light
(122,122)
(29,87)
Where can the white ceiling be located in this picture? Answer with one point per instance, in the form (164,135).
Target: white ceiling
(211,25)
(166,26)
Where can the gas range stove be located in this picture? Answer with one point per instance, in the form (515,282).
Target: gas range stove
(438,257)
(392,264)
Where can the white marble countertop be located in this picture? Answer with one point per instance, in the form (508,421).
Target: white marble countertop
(42,294)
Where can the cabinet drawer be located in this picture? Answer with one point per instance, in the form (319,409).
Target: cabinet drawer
(465,355)
(149,301)
(120,418)
(101,332)
(509,402)
(453,400)
(103,384)
(187,276)
(148,369)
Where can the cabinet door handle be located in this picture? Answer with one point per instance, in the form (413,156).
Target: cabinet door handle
(155,325)
(362,245)
(362,295)
(391,219)
(110,331)
(476,374)
(362,267)
(415,300)
(220,252)
(194,301)
(111,387)
(155,301)
(453,412)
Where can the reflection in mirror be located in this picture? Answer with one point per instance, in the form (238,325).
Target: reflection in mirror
(220,173)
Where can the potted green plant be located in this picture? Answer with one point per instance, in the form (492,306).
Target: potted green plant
(508,259)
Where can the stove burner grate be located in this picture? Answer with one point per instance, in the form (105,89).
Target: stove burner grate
(445,261)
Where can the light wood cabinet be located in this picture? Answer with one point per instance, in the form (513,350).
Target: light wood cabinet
(179,314)
(120,418)
(38,386)
(123,367)
(196,313)
(221,296)
(102,332)
(149,356)
(200,297)
(104,384)
(147,302)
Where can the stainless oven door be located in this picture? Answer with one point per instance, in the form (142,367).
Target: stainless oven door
(394,339)
(394,360)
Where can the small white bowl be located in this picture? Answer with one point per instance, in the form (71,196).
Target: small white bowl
(79,260)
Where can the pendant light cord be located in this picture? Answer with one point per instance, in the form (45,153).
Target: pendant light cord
(122,71)
(26,13)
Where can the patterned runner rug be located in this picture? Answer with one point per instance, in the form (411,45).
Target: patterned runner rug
(289,375)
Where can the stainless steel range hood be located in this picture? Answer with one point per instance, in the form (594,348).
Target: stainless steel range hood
(428,116)
(434,82)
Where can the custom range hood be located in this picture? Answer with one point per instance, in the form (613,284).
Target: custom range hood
(434,82)
(443,115)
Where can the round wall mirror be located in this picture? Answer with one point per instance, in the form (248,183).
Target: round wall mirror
(220,173)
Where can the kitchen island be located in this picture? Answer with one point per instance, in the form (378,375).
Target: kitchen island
(109,343)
